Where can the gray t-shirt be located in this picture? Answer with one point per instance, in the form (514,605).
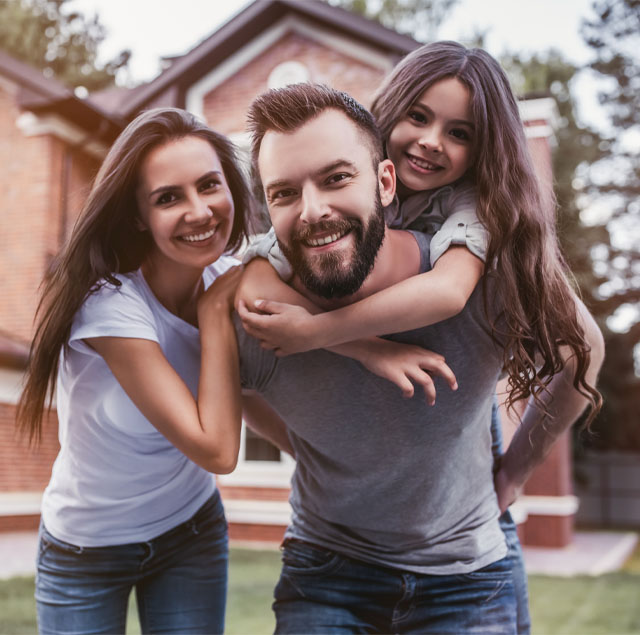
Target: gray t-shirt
(384,479)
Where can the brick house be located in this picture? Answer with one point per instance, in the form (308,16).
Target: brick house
(51,144)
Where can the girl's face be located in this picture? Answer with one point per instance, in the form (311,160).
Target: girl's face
(431,145)
(185,203)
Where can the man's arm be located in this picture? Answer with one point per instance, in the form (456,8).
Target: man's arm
(265,421)
(538,430)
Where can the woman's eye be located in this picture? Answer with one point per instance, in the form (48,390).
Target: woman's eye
(209,185)
(165,198)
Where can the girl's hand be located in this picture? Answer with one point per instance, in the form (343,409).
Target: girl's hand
(220,295)
(406,365)
(283,328)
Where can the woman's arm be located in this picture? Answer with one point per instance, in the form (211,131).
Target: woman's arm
(207,431)
(418,301)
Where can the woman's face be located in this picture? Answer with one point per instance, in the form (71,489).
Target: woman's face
(185,203)
(432,143)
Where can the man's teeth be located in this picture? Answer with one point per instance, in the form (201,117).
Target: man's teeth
(318,242)
(425,165)
(194,238)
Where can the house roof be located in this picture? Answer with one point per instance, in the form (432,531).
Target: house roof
(42,95)
(247,24)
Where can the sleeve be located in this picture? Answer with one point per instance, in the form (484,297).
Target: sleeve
(257,365)
(113,312)
(267,247)
(461,227)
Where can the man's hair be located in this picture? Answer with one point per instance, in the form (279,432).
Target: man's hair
(289,108)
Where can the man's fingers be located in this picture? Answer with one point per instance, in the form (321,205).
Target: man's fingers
(269,306)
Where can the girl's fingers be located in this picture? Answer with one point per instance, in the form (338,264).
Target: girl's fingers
(424,380)
(439,367)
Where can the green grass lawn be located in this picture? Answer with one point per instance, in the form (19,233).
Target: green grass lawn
(606,605)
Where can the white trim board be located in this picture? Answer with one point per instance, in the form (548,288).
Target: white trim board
(289,24)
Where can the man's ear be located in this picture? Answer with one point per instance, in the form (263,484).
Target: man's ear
(386,181)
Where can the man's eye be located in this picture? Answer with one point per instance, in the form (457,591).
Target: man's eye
(338,178)
(281,194)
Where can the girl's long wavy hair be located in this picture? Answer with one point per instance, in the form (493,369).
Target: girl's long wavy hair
(539,312)
(106,241)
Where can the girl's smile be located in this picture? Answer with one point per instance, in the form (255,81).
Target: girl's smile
(432,144)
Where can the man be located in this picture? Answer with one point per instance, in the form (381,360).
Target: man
(395,515)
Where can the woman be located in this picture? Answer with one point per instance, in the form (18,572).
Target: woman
(131,501)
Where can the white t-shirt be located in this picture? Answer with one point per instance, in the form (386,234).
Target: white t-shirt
(117,479)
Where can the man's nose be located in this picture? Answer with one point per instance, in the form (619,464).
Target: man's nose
(314,207)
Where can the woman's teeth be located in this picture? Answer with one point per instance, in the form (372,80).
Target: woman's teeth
(194,238)
(318,242)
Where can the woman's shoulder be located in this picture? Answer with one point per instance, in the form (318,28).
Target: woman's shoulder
(220,266)
(114,305)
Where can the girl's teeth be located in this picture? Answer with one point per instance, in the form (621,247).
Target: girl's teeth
(199,237)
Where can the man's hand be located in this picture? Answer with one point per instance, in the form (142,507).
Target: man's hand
(283,328)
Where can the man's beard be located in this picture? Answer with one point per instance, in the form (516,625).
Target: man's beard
(333,274)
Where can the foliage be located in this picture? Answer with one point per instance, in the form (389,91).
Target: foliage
(419,18)
(612,185)
(63,43)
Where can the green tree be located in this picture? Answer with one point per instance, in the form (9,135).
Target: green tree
(419,18)
(61,42)
(612,185)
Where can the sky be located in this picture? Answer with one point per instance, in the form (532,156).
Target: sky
(152,29)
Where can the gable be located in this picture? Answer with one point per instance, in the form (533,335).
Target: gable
(223,95)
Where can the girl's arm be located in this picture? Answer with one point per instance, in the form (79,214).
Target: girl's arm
(418,301)
(206,430)
(539,430)
(403,364)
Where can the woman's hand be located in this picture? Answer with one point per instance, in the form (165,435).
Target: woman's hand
(283,328)
(220,295)
(406,365)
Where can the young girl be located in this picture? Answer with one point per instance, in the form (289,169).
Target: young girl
(131,501)
(451,126)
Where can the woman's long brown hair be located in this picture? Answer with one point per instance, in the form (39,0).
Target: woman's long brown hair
(106,241)
(539,312)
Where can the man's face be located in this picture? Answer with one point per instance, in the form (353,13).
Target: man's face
(323,195)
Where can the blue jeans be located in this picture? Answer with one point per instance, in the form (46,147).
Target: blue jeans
(180,579)
(321,591)
(514,555)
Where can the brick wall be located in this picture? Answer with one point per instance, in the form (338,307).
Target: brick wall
(25,469)
(225,107)
(27,218)
(31,217)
